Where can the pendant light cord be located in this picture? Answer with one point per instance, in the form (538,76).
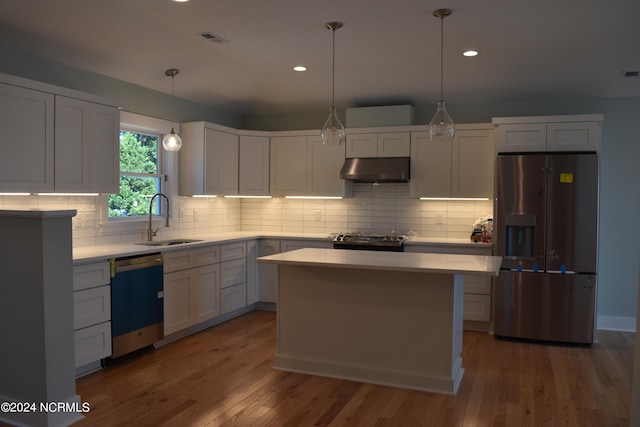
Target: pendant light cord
(441,57)
(333,70)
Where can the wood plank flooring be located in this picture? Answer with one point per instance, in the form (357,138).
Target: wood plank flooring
(223,377)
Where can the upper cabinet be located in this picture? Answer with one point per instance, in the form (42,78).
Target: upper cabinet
(86,146)
(253,179)
(548,133)
(462,168)
(26,120)
(384,144)
(57,139)
(208,161)
(303,166)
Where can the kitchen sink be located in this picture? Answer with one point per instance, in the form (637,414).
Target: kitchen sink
(169,242)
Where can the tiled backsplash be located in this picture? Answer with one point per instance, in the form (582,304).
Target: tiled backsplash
(383,207)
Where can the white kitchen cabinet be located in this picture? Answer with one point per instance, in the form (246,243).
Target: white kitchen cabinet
(86,146)
(477,288)
(268,273)
(233,273)
(384,144)
(253,179)
(548,133)
(304,166)
(27,123)
(208,160)
(191,287)
(462,168)
(91,313)
(293,244)
(253,287)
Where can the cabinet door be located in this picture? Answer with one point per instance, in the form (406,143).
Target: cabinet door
(253,179)
(205,293)
(430,167)
(220,163)
(105,149)
(362,145)
(472,164)
(253,289)
(26,120)
(233,272)
(394,144)
(233,298)
(92,343)
(72,147)
(477,308)
(323,168)
(521,137)
(573,136)
(177,301)
(288,171)
(268,273)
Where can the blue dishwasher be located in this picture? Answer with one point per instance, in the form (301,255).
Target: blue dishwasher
(137,308)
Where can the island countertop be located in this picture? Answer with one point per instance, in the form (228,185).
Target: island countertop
(382,260)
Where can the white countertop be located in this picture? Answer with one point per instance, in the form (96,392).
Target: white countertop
(380,260)
(84,254)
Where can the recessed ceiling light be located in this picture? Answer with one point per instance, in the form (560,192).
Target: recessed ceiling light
(299,68)
(180,1)
(470,53)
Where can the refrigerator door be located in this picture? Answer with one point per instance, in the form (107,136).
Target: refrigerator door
(572,212)
(520,210)
(544,306)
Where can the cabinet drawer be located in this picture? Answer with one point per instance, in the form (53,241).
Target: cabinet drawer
(475,284)
(91,275)
(477,307)
(233,251)
(91,306)
(207,255)
(178,260)
(233,298)
(233,272)
(92,343)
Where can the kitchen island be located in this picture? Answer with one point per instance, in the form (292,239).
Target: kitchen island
(391,318)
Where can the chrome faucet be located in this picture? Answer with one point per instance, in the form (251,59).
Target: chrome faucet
(150,232)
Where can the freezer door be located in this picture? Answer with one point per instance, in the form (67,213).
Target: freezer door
(542,306)
(572,212)
(520,210)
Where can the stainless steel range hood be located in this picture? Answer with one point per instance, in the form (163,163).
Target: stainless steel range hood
(378,169)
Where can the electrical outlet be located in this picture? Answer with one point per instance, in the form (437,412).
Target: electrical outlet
(439,217)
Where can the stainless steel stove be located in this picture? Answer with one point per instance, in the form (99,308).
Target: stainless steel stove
(369,242)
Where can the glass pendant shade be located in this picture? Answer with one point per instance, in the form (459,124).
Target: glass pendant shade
(172,141)
(441,127)
(333,132)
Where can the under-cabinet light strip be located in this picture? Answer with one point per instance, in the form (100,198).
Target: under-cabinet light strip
(205,195)
(15,194)
(247,197)
(68,194)
(314,197)
(454,198)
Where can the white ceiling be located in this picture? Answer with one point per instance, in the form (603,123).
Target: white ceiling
(387,52)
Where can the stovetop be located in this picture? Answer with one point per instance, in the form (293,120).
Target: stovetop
(369,241)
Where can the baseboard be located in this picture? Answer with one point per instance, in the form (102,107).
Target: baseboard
(616,323)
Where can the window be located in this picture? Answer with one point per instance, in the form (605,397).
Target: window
(140,175)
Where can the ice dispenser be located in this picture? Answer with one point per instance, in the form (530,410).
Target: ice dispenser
(519,234)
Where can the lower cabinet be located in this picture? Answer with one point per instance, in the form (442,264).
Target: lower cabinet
(268,273)
(477,289)
(91,313)
(191,290)
(233,294)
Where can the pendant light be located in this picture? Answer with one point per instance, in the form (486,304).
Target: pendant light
(172,141)
(441,127)
(333,132)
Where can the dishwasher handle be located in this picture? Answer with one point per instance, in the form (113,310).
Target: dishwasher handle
(137,262)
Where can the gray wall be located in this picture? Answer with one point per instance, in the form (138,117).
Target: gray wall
(620,154)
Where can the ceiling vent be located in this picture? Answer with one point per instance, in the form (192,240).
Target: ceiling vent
(634,73)
(208,35)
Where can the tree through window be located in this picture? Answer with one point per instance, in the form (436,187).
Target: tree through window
(140,176)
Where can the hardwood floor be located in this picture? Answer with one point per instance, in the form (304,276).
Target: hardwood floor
(223,377)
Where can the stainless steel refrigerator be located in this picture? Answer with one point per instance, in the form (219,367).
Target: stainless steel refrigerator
(546,230)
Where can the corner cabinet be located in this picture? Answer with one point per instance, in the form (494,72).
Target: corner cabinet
(253,172)
(548,133)
(208,160)
(303,166)
(463,168)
